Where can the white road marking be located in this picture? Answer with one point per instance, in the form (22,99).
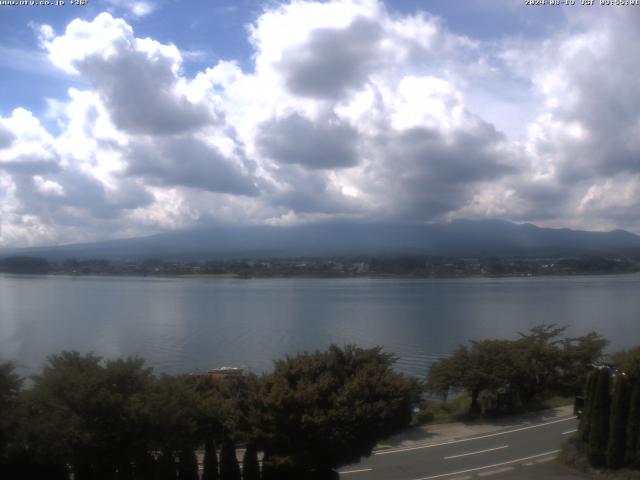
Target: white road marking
(431,445)
(475,453)
(356,471)
(489,466)
(494,472)
(528,464)
(570,431)
(542,460)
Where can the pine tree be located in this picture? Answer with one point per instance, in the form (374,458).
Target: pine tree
(250,466)
(599,429)
(618,422)
(631,458)
(167,466)
(589,392)
(188,469)
(229,468)
(210,462)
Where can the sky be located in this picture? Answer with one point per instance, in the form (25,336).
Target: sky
(127,118)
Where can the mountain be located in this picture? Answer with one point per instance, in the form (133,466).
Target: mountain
(458,238)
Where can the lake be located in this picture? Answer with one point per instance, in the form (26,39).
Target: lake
(182,325)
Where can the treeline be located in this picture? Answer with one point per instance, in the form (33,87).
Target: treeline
(344,266)
(115,419)
(609,432)
(505,375)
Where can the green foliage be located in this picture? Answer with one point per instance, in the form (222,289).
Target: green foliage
(632,453)
(599,430)
(507,372)
(618,422)
(330,408)
(10,387)
(229,467)
(628,361)
(250,465)
(589,395)
(188,467)
(210,462)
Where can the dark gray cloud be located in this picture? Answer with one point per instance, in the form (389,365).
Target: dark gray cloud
(423,174)
(189,162)
(309,192)
(325,144)
(6,137)
(30,165)
(333,61)
(140,93)
(77,198)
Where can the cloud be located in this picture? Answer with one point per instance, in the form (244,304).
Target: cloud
(6,137)
(189,162)
(348,109)
(138,80)
(325,144)
(138,8)
(333,61)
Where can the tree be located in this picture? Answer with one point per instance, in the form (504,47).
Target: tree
(250,465)
(188,468)
(589,394)
(10,390)
(229,468)
(618,422)
(577,359)
(631,457)
(210,462)
(487,365)
(79,412)
(327,409)
(599,430)
(628,361)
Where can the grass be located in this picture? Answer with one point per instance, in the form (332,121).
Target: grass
(457,409)
(574,456)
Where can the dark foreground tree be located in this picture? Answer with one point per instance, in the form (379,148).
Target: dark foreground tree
(599,430)
(618,422)
(589,394)
(328,409)
(210,462)
(10,385)
(631,457)
(628,361)
(188,468)
(229,467)
(250,465)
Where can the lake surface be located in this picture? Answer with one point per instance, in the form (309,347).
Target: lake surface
(181,325)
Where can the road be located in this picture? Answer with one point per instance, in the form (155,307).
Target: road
(525,451)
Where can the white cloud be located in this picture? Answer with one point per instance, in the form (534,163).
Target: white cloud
(138,8)
(349,111)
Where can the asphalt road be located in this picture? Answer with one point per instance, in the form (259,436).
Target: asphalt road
(525,451)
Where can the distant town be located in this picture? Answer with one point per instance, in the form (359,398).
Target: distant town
(356,266)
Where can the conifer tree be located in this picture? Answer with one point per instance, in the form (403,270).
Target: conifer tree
(589,392)
(250,466)
(599,429)
(229,468)
(631,458)
(167,466)
(188,469)
(618,422)
(210,463)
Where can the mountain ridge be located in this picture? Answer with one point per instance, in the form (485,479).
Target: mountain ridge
(488,237)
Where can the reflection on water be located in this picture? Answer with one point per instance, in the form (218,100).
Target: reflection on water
(186,324)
